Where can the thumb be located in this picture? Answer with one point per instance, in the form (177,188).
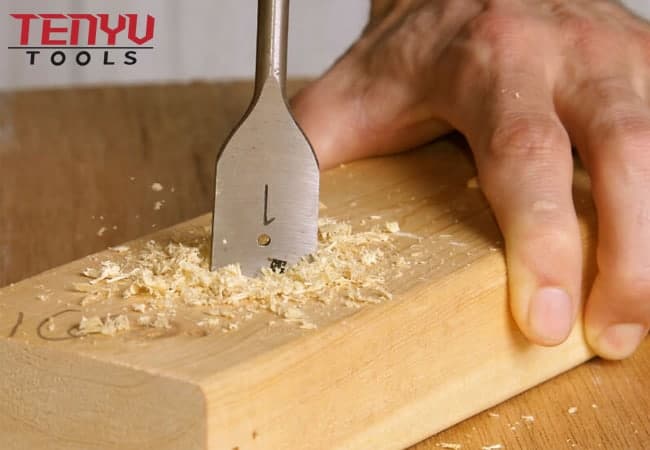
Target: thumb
(329,114)
(346,118)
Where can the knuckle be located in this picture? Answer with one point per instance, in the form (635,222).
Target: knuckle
(591,40)
(493,27)
(528,137)
(619,122)
(596,36)
(608,90)
(581,28)
(496,37)
(625,135)
(578,25)
(496,40)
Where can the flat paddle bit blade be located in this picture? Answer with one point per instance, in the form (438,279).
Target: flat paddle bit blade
(267,191)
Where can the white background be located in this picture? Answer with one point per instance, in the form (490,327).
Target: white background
(196,39)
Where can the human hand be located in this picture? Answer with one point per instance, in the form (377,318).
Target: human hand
(521,80)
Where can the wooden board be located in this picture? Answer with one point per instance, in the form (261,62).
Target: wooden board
(169,133)
(384,377)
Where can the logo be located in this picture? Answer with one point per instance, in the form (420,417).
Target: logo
(83,39)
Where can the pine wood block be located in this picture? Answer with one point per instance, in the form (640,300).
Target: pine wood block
(385,376)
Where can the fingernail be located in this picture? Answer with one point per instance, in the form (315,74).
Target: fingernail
(550,315)
(620,340)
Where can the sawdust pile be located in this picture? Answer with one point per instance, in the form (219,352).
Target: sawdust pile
(349,268)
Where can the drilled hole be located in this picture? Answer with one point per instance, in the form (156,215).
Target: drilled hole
(263,240)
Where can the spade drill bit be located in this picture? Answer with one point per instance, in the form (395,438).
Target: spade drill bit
(267,177)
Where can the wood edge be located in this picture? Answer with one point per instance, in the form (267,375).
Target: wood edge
(61,400)
(371,348)
(573,350)
(384,432)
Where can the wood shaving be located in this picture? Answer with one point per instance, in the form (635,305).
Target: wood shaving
(408,235)
(221,313)
(492,447)
(160,321)
(493,414)
(158,205)
(211,322)
(157,187)
(109,273)
(449,445)
(572,410)
(119,249)
(528,418)
(348,268)
(392,227)
(139,307)
(93,297)
(109,326)
(144,320)
(101,231)
(473,183)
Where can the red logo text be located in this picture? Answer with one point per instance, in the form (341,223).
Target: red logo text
(59,34)
(65,29)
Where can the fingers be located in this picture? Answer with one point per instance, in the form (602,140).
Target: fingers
(525,168)
(612,131)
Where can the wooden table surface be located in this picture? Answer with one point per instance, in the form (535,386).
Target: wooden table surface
(613,412)
(46,168)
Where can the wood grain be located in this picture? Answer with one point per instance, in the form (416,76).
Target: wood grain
(383,377)
(613,412)
(72,166)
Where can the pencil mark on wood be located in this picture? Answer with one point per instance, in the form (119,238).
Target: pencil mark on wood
(19,322)
(39,329)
